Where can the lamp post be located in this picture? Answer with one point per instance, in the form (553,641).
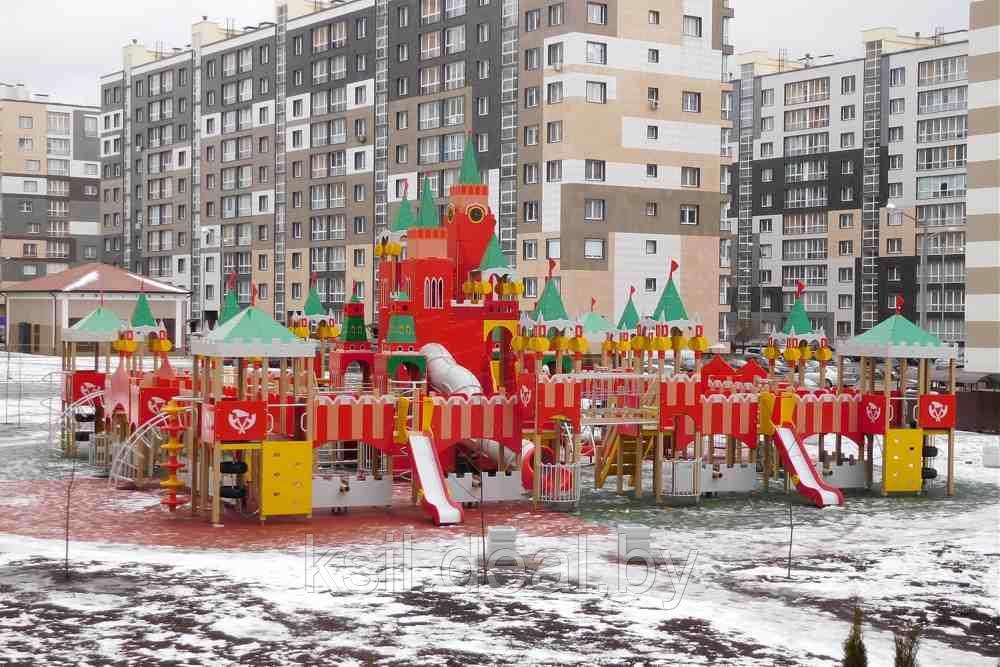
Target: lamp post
(922,278)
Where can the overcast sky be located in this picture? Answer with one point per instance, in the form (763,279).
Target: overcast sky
(62,46)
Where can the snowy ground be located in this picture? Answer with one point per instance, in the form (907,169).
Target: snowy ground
(718,591)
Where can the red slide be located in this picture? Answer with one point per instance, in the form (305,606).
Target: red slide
(808,481)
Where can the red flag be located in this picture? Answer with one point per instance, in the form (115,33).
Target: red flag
(673,267)
(631,291)
(800,287)
(253,294)
(231,281)
(899,304)
(593,303)
(406,187)
(313,277)
(552,267)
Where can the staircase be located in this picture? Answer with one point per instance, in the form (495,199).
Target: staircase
(622,456)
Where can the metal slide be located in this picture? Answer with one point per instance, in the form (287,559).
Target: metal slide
(807,480)
(434,495)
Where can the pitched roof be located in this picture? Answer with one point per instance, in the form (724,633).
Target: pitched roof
(230,307)
(550,304)
(596,323)
(100,326)
(252,333)
(404,216)
(897,337)
(427,217)
(670,308)
(494,261)
(630,316)
(469,173)
(142,320)
(798,323)
(313,306)
(94,277)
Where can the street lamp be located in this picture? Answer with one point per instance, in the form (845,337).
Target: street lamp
(923,260)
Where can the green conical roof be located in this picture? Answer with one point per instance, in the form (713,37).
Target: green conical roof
(550,304)
(670,308)
(897,330)
(402,329)
(230,307)
(313,306)
(142,316)
(427,217)
(596,323)
(253,333)
(630,316)
(469,174)
(102,325)
(798,323)
(404,216)
(494,261)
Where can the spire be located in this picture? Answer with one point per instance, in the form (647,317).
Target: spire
(494,261)
(313,307)
(797,322)
(550,305)
(630,315)
(469,174)
(142,315)
(427,217)
(670,308)
(404,217)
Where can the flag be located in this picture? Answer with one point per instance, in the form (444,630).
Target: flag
(231,281)
(800,287)
(552,267)
(253,294)
(631,291)
(899,304)
(673,267)
(313,277)
(593,303)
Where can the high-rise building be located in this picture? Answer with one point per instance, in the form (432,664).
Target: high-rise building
(842,169)
(48,184)
(280,152)
(983,251)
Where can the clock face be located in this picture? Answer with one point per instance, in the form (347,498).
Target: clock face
(476,213)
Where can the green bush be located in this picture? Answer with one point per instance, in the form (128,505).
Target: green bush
(854,646)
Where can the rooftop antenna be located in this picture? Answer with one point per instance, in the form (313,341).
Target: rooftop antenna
(808,58)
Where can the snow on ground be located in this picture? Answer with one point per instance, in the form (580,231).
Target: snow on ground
(717,592)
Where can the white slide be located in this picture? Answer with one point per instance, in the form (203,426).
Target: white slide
(807,480)
(445,375)
(434,497)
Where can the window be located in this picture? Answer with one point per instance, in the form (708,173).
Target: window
(554,92)
(557,14)
(894,246)
(483,69)
(530,288)
(650,283)
(593,248)
(653,17)
(25,122)
(767,175)
(895,134)
(895,190)
(942,99)
(531,97)
(597,53)
(897,76)
(767,200)
(554,54)
(848,112)
(531,211)
(597,92)
(691,102)
(812,90)
(532,59)
(483,32)
(942,70)
(846,221)
(691,26)
(594,209)
(403,17)
(359,257)
(895,218)
(764,278)
(594,170)
(532,20)
(766,149)
(552,249)
(767,97)
(554,132)
(845,301)
(690,177)
(766,225)
(652,209)
(689,214)
(845,248)
(897,106)
(653,56)
(650,247)
(767,124)
(848,84)
(845,274)
(936,187)
(597,13)
(652,170)
(553,171)
(847,193)
(482,106)
(529,249)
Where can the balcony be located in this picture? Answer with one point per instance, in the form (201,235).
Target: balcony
(941,194)
(959,105)
(243,240)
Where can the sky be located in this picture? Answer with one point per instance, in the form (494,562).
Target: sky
(62,47)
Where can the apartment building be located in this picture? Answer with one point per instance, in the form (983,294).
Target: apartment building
(983,235)
(841,171)
(280,152)
(49,178)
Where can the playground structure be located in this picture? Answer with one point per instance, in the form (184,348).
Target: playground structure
(468,399)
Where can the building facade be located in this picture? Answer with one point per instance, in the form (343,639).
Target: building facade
(841,170)
(279,152)
(49,178)
(983,240)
